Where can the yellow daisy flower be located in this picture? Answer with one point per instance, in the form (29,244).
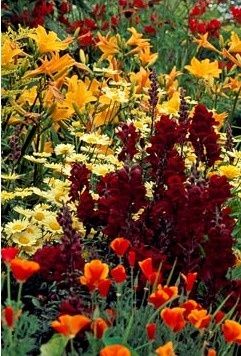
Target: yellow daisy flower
(15,226)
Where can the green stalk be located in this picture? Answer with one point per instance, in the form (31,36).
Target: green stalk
(19,292)
(8,283)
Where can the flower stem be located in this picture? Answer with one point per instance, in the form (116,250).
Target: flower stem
(8,283)
(19,292)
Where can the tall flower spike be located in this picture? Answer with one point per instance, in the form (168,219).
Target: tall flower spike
(153,97)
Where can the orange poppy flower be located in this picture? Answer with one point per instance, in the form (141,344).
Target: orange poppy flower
(118,274)
(70,325)
(120,245)
(94,272)
(147,269)
(189,280)
(23,269)
(232,331)
(98,326)
(115,350)
(199,318)
(174,318)
(211,352)
(189,305)
(162,295)
(166,350)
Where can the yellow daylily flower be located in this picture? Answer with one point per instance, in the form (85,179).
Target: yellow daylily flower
(204,68)
(108,45)
(53,65)
(10,50)
(235,43)
(171,106)
(146,57)
(28,96)
(48,42)
(78,94)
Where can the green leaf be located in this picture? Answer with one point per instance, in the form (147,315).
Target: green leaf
(55,346)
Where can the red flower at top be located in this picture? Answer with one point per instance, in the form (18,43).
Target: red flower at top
(9,253)
(120,245)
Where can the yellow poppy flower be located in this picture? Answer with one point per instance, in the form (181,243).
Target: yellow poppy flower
(48,42)
(204,68)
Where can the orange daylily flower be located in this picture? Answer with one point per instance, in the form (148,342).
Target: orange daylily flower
(140,80)
(48,42)
(146,267)
(98,326)
(236,58)
(204,68)
(137,40)
(115,350)
(94,272)
(23,269)
(232,331)
(203,42)
(120,245)
(146,57)
(54,65)
(108,45)
(70,325)
(174,318)
(189,280)
(162,295)
(166,350)
(199,318)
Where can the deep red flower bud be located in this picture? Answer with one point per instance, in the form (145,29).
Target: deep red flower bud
(219,316)
(118,274)
(9,316)
(151,331)
(9,253)
(132,258)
